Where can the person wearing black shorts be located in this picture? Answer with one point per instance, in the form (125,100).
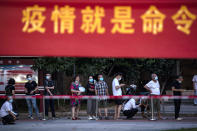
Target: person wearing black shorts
(116,88)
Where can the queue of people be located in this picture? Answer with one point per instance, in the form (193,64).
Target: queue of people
(94,87)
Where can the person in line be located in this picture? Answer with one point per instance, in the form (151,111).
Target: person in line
(194,80)
(102,90)
(75,103)
(49,91)
(30,90)
(130,108)
(177,91)
(91,103)
(7,114)
(153,87)
(10,88)
(117,91)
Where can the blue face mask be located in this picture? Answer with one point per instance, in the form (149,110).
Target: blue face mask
(47,77)
(91,80)
(101,79)
(11,100)
(29,78)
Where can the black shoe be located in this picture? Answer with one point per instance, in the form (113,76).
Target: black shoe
(4,122)
(106,118)
(11,123)
(100,118)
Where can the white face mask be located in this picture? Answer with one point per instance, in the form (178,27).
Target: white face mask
(77,82)
(120,79)
(180,81)
(11,100)
(156,78)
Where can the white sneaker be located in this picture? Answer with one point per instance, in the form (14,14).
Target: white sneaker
(90,118)
(179,119)
(94,117)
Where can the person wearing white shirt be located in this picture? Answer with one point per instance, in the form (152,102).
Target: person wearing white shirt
(154,88)
(117,91)
(7,114)
(130,108)
(195,88)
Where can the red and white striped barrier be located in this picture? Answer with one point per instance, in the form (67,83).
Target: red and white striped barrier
(101,97)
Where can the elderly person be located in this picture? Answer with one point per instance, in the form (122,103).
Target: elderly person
(7,114)
(153,87)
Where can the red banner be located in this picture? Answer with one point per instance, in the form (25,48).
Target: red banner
(99,28)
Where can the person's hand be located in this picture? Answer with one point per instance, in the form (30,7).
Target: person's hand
(122,85)
(51,94)
(14,117)
(79,93)
(31,92)
(183,90)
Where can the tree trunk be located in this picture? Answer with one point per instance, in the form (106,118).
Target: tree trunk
(60,83)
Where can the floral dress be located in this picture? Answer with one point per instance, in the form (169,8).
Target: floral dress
(75,102)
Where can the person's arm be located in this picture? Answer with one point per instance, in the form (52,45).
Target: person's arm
(107,92)
(12,114)
(90,89)
(174,89)
(96,91)
(106,89)
(51,88)
(13,91)
(146,87)
(25,89)
(33,91)
(134,104)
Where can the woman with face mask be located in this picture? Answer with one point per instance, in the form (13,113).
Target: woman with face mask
(91,103)
(75,103)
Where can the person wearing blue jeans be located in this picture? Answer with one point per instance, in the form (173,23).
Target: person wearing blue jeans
(32,102)
(30,90)
(194,80)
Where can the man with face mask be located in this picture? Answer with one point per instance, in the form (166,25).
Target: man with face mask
(117,91)
(7,114)
(177,91)
(49,91)
(101,89)
(30,89)
(154,88)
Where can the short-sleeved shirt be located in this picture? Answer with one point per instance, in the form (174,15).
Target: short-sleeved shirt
(116,92)
(30,86)
(48,83)
(154,87)
(195,81)
(176,85)
(101,87)
(9,89)
(75,86)
(7,106)
(90,86)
